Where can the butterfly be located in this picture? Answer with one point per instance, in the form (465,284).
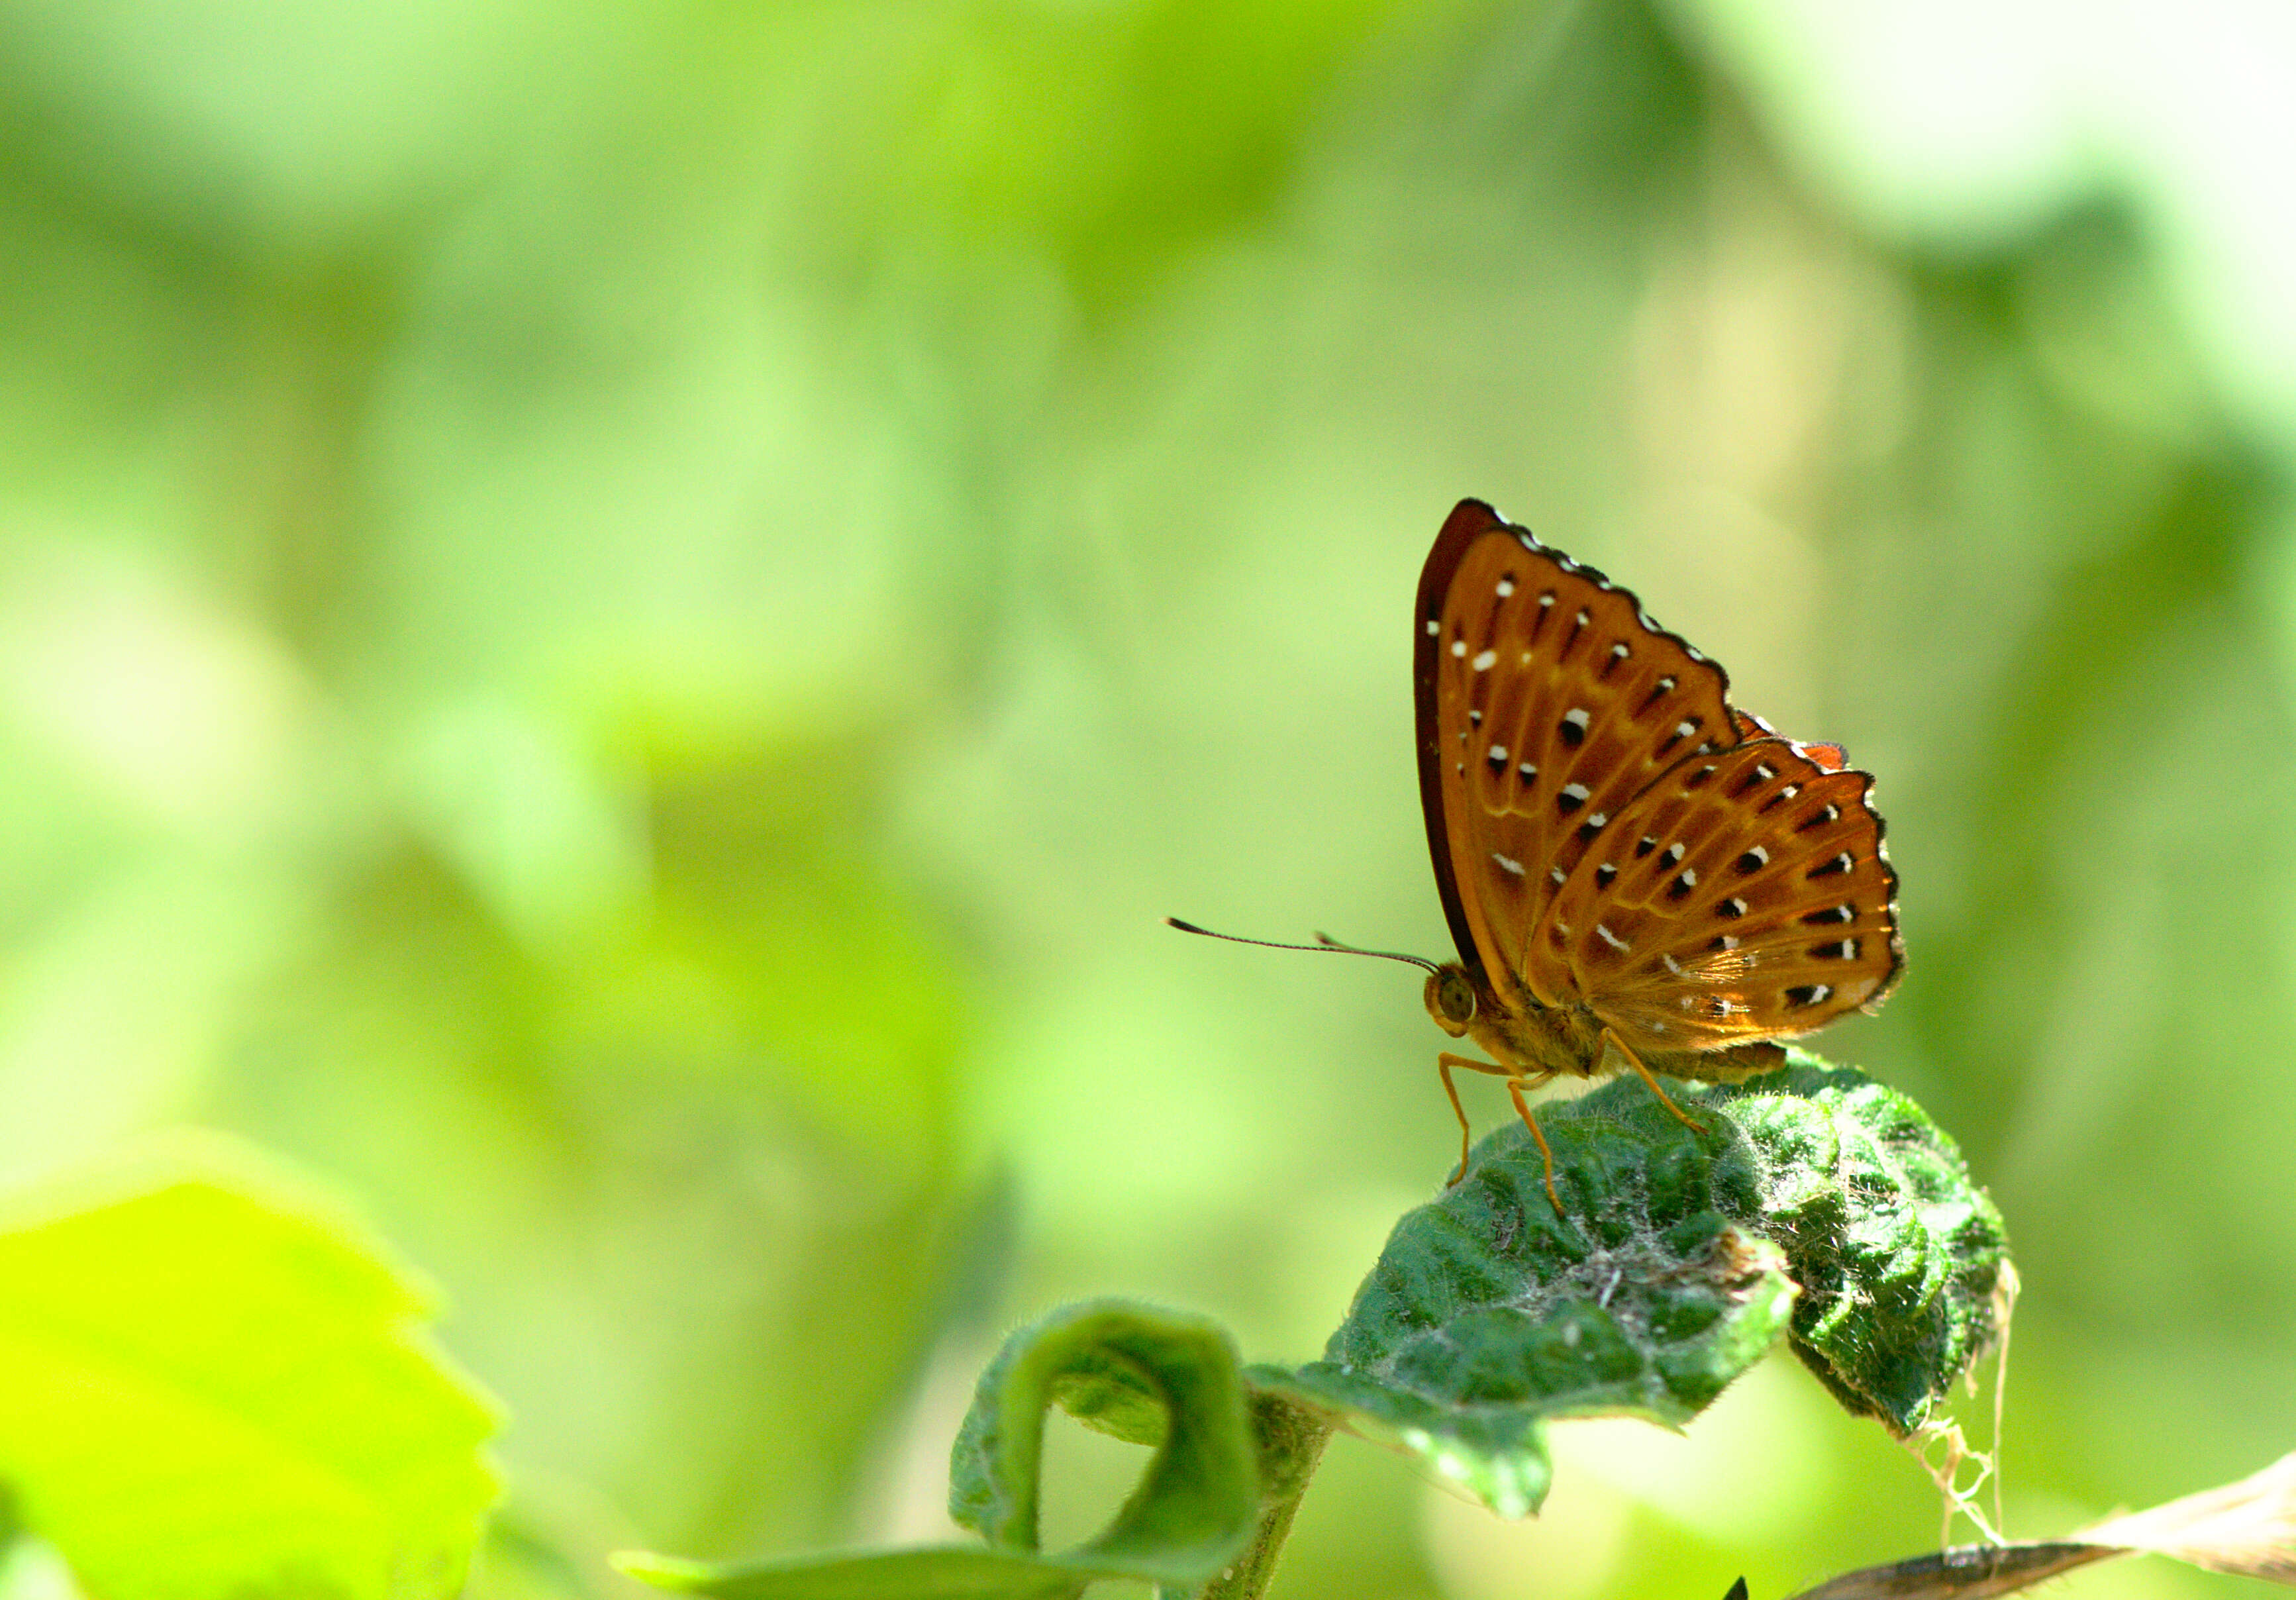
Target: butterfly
(1637,875)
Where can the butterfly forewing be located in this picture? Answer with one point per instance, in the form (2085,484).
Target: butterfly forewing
(1546,702)
(1744,896)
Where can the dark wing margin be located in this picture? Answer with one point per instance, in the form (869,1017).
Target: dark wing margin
(1469,520)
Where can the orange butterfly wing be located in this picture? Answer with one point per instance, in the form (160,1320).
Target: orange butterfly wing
(1547,701)
(1742,897)
(1606,828)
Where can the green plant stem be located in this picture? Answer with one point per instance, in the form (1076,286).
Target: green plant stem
(1291,1439)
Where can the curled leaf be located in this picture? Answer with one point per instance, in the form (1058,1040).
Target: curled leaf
(1157,1377)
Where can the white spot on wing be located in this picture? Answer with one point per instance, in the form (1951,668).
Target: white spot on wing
(1506,587)
(1577,791)
(1672,966)
(1485,661)
(1458,647)
(1507,865)
(1575,715)
(1611,939)
(1434,625)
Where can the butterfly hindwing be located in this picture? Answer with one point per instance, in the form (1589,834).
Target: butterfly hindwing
(1744,896)
(1546,702)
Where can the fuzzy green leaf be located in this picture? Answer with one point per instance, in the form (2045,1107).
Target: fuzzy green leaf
(1156,1377)
(1487,1315)
(1899,1255)
(217,1387)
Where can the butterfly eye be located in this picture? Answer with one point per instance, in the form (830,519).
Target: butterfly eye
(1450,1000)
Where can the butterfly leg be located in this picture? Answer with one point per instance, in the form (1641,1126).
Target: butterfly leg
(1516,1087)
(1444,1063)
(1611,1041)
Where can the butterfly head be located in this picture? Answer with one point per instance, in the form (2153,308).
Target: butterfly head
(1450,997)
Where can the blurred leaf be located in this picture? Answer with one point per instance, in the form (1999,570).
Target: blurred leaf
(1191,1515)
(1487,1314)
(2247,1528)
(217,1389)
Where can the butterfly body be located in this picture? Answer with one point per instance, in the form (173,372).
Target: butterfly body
(1566,1041)
(1636,872)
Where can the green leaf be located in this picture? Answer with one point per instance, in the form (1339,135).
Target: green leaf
(1156,1377)
(1487,1315)
(1194,1506)
(217,1387)
(1899,1255)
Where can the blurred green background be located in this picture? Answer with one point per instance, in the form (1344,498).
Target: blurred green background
(617,620)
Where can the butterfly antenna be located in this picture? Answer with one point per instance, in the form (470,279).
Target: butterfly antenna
(1324,943)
